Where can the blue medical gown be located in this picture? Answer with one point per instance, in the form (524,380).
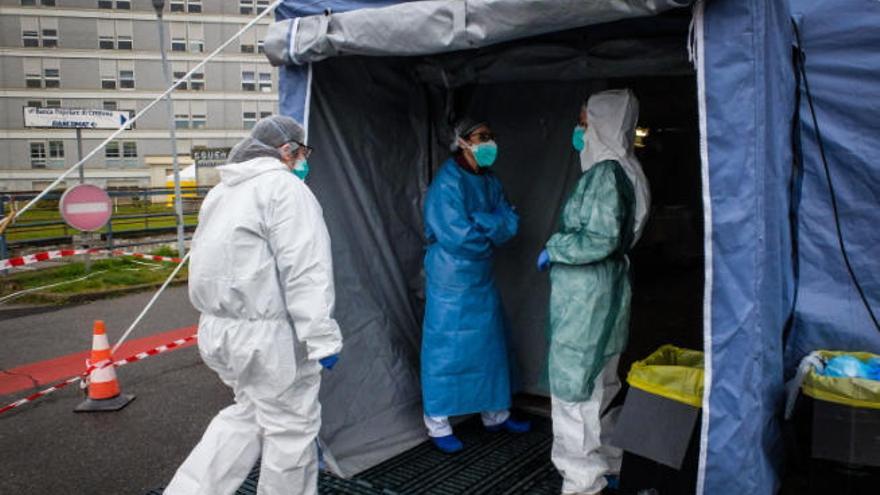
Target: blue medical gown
(464,350)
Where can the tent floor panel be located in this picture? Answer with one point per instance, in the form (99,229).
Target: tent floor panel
(491,463)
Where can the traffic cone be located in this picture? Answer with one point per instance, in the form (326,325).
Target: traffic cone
(104,392)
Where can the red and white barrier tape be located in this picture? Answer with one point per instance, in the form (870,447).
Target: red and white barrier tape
(44,256)
(122,362)
(63,253)
(164,259)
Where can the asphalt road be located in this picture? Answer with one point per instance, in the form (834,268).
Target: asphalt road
(46,448)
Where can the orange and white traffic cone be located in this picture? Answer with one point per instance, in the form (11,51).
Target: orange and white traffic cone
(104,391)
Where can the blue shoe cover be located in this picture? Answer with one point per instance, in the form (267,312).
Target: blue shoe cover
(512,426)
(449,444)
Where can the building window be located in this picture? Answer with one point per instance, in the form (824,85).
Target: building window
(181,120)
(248,81)
(121,153)
(32,80)
(198,121)
(28,3)
(39,31)
(195,33)
(197,81)
(111,151)
(187,37)
(124,42)
(245,48)
(30,38)
(260,48)
(48,3)
(50,38)
(129,149)
(52,77)
(252,111)
(265,82)
(262,5)
(38,155)
(56,153)
(190,114)
(191,6)
(110,105)
(115,34)
(43,73)
(178,75)
(44,103)
(246,7)
(108,82)
(126,79)
(119,4)
(249,119)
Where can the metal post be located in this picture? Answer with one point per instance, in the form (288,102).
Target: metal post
(110,234)
(4,249)
(159,5)
(79,155)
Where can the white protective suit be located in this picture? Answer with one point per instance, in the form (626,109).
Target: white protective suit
(262,277)
(581,430)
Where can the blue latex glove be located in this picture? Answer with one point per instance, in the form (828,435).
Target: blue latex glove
(543,260)
(329,362)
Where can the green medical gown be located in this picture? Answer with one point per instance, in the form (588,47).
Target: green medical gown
(589,280)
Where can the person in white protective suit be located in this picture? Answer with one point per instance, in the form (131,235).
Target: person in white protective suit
(261,275)
(590,290)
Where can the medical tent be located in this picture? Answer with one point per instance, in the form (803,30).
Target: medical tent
(378,83)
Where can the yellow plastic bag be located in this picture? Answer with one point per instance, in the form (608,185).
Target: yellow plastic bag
(671,372)
(855,392)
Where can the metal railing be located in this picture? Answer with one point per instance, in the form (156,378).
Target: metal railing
(137,218)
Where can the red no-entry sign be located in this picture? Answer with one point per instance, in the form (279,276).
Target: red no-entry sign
(86,207)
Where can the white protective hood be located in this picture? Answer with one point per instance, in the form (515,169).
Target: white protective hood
(611,127)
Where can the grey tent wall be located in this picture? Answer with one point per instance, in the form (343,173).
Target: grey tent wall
(369,175)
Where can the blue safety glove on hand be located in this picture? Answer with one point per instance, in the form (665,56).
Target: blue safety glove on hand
(543,260)
(329,362)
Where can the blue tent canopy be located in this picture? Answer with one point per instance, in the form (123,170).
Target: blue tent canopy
(776,287)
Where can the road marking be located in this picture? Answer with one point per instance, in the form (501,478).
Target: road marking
(42,373)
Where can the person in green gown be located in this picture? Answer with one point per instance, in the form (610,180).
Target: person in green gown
(590,289)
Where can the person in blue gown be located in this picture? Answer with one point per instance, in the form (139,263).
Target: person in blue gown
(464,351)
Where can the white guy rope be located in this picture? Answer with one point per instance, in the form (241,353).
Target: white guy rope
(16,295)
(138,115)
(151,303)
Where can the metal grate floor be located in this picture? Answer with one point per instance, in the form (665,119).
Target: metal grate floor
(491,464)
